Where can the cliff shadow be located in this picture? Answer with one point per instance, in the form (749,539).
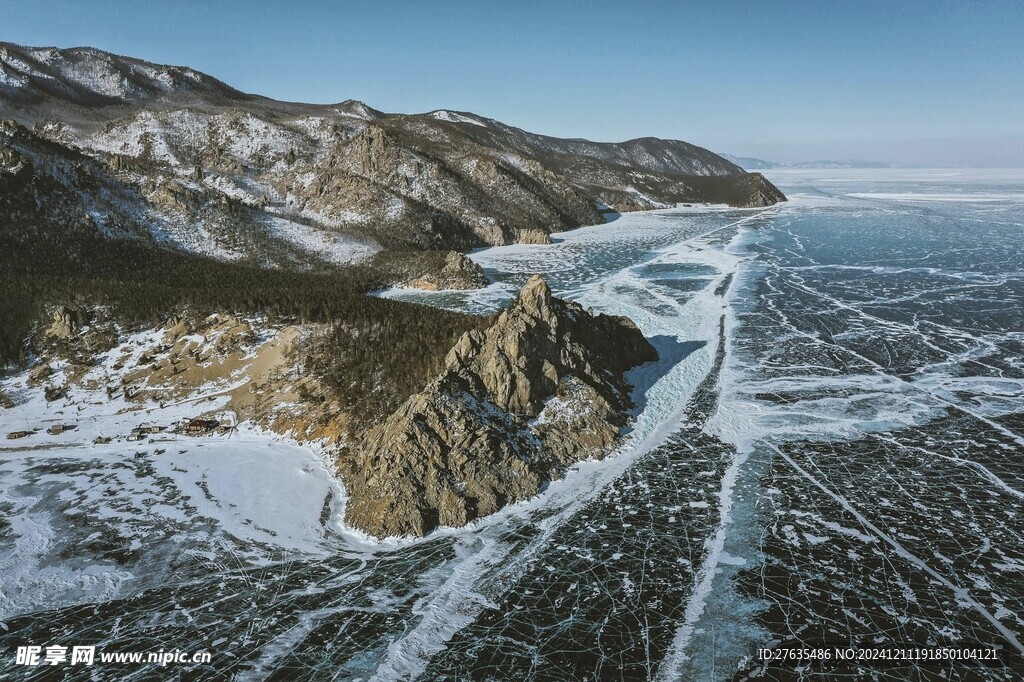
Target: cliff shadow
(671,351)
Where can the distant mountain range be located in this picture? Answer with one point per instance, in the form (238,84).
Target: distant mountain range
(753,164)
(114,146)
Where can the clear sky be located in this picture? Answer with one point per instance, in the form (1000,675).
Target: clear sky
(932,83)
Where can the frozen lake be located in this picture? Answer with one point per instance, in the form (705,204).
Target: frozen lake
(831,450)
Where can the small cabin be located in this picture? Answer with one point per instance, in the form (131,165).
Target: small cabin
(58,429)
(18,434)
(101,440)
(196,427)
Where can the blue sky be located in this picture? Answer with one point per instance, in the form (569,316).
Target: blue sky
(933,83)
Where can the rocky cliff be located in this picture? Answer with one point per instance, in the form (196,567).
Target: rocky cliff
(514,406)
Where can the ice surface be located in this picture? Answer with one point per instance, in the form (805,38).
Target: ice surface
(962,197)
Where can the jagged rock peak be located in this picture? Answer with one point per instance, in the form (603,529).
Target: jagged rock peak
(358,109)
(535,299)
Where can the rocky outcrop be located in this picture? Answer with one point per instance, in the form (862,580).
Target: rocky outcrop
(634,204)
(513,408)
(373,153)
(63,323)
(430,270)
(458,272)
(531,236)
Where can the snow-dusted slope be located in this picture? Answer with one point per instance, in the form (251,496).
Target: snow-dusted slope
(218,171)
(91,77)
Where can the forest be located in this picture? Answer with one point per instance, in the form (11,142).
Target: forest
(374,352)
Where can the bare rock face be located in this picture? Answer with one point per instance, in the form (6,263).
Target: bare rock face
(63,324)
(175,328)
(513,408)
(532,236)
(374,153)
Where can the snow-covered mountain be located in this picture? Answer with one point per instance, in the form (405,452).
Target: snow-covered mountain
(195,163)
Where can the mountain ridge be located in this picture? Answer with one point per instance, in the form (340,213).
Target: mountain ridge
(349,103)
(318,178)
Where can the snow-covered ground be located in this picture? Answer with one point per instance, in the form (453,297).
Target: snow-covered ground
(248,490)
(333,247)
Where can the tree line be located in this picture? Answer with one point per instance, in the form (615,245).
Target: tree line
(374,354)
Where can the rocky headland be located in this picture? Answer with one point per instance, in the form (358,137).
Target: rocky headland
(518,398)
(514,407)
